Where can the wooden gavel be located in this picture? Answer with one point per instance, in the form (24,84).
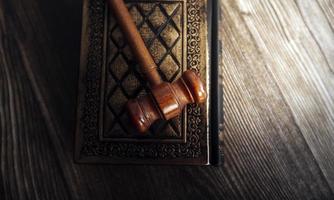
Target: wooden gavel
(167,100)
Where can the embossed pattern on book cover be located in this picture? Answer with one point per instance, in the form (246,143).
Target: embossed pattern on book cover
(175,33)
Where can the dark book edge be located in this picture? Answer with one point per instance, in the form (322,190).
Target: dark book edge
(216,107)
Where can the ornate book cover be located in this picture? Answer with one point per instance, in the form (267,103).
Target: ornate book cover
(177,34)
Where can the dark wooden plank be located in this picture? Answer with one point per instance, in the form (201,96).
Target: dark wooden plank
(27,161)
(273,147)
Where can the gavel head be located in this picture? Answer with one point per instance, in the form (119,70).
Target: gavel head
(166,101)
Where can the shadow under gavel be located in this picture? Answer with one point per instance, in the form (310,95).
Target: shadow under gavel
(167,100)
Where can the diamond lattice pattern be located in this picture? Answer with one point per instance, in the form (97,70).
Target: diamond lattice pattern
(160,25)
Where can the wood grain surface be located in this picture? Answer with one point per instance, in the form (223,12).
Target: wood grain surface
(277,65)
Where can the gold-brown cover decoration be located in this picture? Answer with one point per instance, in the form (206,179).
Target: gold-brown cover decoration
(176,34)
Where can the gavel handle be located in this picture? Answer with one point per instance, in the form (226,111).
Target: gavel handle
(135,41)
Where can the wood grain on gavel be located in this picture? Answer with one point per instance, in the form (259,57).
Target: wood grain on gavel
(168,99)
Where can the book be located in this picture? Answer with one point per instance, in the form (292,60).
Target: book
(178,34)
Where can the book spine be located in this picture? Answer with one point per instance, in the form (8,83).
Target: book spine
(216,103)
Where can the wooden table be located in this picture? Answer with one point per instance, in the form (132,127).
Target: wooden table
(277,70)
